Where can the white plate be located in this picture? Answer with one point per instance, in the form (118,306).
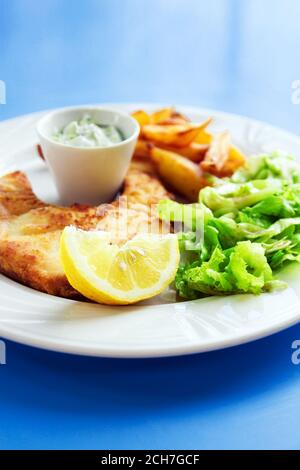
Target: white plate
(158,328)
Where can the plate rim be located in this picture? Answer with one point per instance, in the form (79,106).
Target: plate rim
(80,350)
(68,346)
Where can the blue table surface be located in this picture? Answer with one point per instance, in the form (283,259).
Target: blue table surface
(235,55)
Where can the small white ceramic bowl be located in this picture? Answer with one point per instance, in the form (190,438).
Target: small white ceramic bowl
(87,175)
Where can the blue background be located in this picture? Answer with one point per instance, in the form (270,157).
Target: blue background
(235,55)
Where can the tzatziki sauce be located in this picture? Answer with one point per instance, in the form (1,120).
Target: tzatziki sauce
(88,133)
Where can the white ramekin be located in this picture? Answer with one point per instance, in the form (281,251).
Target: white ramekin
(87,175)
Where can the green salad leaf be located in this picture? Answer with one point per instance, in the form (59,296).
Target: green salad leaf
(241,269)
(231,197)
(243,229)
(275,165)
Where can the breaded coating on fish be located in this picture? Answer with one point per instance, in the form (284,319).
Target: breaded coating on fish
(30,230)
(16,195)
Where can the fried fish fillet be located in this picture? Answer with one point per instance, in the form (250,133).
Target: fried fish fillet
(30,230)
(16,195)
(136,210)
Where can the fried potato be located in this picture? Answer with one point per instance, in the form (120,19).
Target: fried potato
(142,149)
(176,118)
(181,174)
(178,115)
(174,135)
(217,154)
(235,160)
(222,159)
(169,138)
(142,117)
(194,152)
(173,121)
(161,115)
(204,138)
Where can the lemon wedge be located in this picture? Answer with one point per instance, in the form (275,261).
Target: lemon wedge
(118,275)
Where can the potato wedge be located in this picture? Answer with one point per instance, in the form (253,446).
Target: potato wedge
(181,174)
(235,160)
(204,138)
(218,153)
(175,119)
(175,135)
(194,152)
(178,115)
(142,117)
(161,115)
(142,149)
(222,159)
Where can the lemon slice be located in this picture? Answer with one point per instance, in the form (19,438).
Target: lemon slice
(111,274)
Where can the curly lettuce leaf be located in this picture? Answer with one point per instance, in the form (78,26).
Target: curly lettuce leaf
(249,267)
(232,197)
(242,269)
(249,227)
(276,165)
(285,204)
